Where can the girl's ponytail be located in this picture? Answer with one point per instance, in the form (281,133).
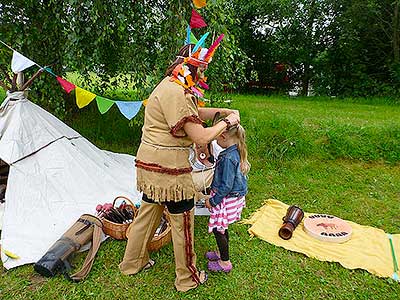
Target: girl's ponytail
(244,163)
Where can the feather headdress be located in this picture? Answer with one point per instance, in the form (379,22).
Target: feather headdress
(198,56)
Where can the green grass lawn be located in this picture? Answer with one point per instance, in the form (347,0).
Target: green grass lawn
(333,156)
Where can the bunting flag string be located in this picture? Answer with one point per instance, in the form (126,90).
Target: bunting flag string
(128,109)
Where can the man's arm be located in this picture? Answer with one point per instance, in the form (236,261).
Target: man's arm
(208,113)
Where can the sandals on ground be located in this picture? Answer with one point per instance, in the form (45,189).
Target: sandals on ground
(149,264)
(203,276)
(215,266)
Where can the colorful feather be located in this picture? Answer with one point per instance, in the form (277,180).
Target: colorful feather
(200,42)
(188,31)
(213,47)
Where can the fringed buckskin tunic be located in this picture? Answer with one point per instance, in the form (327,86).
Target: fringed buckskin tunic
(162,161)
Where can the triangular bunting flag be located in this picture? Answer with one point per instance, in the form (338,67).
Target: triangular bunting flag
(196,21)
(20,62)
(83,97)
(199,3)
(104,104)
(67,86)
(129,108)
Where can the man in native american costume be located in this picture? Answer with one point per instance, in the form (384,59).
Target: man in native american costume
(173,122)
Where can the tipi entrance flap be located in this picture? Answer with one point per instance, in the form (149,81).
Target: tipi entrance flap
(4,170)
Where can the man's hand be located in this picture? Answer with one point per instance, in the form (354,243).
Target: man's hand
(233,119)
(235,111)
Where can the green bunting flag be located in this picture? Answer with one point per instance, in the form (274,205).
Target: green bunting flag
(104,104)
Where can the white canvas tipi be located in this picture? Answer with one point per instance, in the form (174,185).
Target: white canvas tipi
(55,176)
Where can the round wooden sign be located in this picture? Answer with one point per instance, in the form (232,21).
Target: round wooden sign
(327,228)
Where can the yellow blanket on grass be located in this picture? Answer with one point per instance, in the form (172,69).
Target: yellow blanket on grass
(368,249)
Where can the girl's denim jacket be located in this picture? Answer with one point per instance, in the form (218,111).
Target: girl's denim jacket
(228,180)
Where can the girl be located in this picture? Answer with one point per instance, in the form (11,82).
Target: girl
(228,189)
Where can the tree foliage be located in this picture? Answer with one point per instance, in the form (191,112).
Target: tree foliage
(124,44)
(337,47)
(332,47)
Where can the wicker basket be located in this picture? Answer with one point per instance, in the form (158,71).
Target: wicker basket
(164,238)
(117,230)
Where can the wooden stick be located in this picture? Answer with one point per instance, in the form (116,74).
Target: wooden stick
(14,83)
(29,82)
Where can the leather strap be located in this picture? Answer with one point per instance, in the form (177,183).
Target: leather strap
(87,265)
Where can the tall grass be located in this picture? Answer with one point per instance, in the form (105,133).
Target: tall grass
(288,128)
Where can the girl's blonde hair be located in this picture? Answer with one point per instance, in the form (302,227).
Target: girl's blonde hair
(240,134)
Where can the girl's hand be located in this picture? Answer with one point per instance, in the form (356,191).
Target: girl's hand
(208,204)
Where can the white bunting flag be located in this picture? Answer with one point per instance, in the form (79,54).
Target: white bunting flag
(20,62)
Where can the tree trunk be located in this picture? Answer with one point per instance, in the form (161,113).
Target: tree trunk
(396,48)
(307,70)
(306,80)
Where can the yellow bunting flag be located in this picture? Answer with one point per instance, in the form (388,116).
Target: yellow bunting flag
(145,102)
(199,3)
(83,97)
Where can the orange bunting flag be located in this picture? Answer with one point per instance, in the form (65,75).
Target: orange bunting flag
(199,3)
(67,86)
(83,97)
(196,21)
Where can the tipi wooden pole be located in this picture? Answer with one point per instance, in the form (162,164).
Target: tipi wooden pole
(14,83)
(20,81)
(29,82)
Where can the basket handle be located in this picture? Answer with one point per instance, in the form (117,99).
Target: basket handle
(125,198)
